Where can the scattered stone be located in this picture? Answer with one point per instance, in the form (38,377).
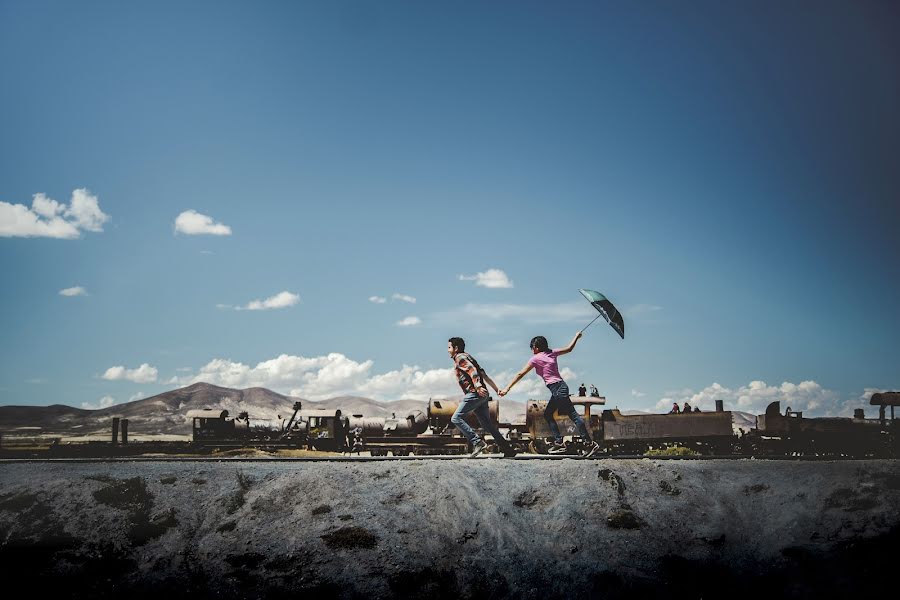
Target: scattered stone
(468,535)
(321,510)
(667,488)
(167,480)
(527,499)
(614,480)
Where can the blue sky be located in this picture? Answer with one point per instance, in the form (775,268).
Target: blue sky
(726,173)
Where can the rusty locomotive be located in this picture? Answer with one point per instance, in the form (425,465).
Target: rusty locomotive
(709,433)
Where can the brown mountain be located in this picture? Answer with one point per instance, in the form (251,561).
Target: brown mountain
(166,413)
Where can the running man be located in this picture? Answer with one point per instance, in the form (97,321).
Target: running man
(472,380)
(545,365)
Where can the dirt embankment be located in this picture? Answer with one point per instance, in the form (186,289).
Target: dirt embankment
(460,528)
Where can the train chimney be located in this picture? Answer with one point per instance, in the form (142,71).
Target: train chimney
(859,413)
(124,431)
(720,406)
(115,438)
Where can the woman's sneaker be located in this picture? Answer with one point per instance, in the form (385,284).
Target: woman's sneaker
(477,448)
(591,450)
(557,448)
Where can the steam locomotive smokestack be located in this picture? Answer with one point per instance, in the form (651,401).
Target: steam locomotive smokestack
(720,406)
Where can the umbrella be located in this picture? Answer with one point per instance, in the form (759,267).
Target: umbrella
(607,311)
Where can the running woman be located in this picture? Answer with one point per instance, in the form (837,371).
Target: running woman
(545,365)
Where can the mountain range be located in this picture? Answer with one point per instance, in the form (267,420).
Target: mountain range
(166,414)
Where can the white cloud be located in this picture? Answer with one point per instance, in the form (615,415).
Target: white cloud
(49,218)
(492,278)
(333,375)
(404,298)
(806,396)
(279,300)
(73,291)
(143,374)
(637,394)
(104,402)
(409,322)
(84,211)
(190,222)
(377,299)
(137,396)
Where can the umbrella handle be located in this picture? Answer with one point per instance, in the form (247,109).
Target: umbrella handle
(591,323)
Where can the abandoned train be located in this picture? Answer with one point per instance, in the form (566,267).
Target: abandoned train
(711,433)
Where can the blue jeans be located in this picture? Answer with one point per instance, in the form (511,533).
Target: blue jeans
(559,399)
(474,403)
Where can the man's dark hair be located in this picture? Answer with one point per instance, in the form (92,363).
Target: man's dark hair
(458,343)
(539,342)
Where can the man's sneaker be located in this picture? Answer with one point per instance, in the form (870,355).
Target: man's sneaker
(591,450)
(477,448)
(557,448)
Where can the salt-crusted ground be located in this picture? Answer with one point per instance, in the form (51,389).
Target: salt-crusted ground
(453,528)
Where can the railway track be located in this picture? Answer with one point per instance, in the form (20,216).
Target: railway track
(520,457)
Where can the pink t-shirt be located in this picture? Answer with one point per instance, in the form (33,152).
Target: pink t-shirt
(545,366)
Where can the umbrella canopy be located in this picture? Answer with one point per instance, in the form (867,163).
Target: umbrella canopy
(607,310)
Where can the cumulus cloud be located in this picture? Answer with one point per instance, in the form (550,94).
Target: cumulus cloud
(49,218)
(73,291)
(409,322)
(143,374)
(321,377)
(190,222)
(137,396)
(637,394)
(404,298)
(104,402)
(377,299)
(492,278)
(279,300)
(806,396)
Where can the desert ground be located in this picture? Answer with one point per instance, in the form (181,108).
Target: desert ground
(453,528)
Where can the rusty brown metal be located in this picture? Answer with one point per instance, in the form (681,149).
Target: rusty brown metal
(539,429)
(885,399)
(826,435)
(412,424)
(665,427)
(440,411)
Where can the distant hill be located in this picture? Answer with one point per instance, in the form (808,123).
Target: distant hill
(166,413)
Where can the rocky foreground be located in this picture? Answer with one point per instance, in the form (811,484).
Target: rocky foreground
(453,528)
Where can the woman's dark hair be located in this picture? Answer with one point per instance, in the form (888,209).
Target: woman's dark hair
(458,343)
(539,342)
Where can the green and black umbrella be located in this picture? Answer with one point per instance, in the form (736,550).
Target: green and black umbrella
(607,311)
